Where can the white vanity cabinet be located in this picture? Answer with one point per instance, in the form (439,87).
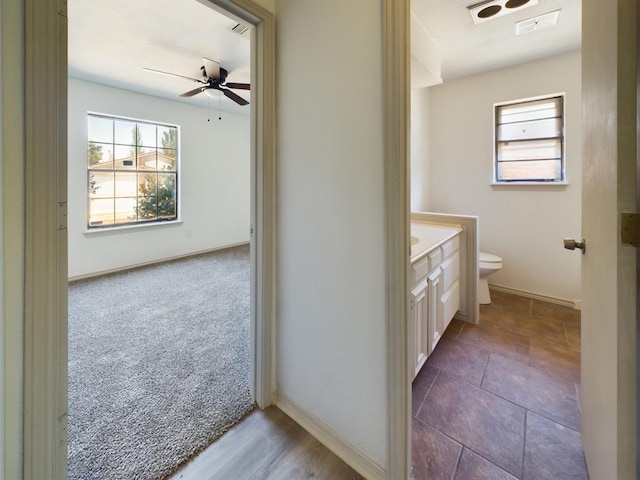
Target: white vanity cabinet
(435,297)
(418,326)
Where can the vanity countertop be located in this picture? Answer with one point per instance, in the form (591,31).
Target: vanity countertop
(426,236)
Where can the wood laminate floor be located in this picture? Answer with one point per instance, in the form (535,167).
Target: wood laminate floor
(266,445)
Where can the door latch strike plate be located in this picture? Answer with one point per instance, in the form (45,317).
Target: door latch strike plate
(630,228)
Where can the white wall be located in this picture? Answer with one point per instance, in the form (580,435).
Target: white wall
(523,226)
(331,332)
(214,181)
(420,150)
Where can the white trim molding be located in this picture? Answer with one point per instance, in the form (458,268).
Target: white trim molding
(13,154)
(45,336)
(396,94)
(153,262)
(344,449)
(577,303)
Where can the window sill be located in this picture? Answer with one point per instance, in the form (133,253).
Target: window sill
(100,232)
(529,185)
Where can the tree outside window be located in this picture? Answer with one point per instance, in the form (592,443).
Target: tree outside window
(132,172)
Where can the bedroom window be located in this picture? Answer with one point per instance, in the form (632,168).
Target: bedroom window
(529,141)
(132,172)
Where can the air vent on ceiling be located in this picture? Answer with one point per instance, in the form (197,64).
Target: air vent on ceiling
(537,23)
(240,29)
(489,9)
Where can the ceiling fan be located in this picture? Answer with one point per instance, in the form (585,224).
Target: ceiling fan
(213,77)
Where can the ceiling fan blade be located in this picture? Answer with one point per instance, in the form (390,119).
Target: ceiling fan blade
(236,98)
(173,75)
(241,86)
(193,92)
(212,68)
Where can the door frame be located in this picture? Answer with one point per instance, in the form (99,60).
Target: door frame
(263,190)
(396,53)
(45,287)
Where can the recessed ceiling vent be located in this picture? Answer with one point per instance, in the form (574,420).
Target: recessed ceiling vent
(489,9)
(537,23)
(240,29)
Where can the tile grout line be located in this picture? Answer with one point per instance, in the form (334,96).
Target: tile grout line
(428,391)
(424,422)
(524,444)
(455,470)
(484,370)
(525,360)
(526,409)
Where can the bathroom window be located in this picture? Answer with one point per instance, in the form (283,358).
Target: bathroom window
(132,172)
(529,141)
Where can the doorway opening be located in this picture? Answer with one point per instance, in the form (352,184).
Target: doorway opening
(457,177)
(45,377)
(159,356)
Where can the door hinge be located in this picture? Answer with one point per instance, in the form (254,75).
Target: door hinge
(62,215)
(630,228)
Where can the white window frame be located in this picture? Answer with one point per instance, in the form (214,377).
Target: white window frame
(536,183)
(92,230)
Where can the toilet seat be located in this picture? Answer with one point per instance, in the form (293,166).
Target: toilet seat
(488,258)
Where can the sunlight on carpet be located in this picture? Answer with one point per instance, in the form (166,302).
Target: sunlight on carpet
(158,364)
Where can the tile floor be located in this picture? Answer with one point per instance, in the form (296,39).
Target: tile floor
(500,400)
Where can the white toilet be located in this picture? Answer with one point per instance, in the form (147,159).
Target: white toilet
(487,264)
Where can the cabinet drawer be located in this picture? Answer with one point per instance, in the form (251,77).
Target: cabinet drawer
(451,246)
(450,271)
(420,269)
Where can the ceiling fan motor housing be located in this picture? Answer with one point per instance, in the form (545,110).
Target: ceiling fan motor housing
(221,79)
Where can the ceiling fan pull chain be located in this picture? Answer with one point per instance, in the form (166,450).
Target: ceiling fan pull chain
(220,107)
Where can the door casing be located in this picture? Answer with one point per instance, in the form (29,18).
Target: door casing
(45,311)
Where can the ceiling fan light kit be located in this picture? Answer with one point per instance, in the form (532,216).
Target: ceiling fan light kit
(490,9)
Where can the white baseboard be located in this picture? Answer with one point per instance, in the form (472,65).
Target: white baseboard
(462,317)
(355,458)
(152,262)
(536,296)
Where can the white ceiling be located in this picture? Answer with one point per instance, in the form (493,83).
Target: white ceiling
(467,48)
(110,42)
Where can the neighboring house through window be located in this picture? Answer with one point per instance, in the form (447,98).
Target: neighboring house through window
(132,171)
(529,141)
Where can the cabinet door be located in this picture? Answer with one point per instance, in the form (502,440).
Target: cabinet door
(436,320)
(450,298)
(418,331)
